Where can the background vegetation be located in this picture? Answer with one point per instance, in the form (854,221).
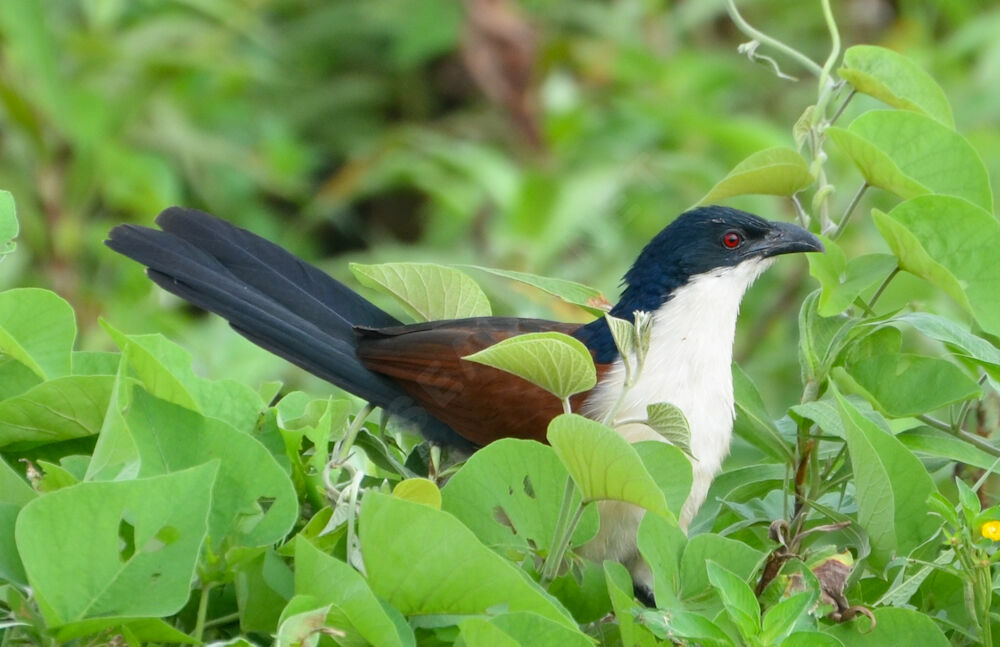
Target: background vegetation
(552,138)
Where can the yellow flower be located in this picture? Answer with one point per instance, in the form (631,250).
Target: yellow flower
(991,530)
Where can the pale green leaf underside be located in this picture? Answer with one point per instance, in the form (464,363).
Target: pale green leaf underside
(558,363)
(774,171)
(426,290)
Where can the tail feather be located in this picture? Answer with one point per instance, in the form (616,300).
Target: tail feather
(320,340)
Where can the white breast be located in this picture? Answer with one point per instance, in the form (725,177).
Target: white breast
(688,365)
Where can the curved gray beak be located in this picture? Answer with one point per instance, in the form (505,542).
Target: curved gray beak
(786,238)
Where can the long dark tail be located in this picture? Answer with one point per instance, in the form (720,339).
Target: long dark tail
(271,297)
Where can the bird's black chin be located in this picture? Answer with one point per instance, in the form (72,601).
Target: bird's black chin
(785,238)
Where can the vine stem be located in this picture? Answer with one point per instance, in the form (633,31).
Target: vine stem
(850,211)
(764,39)
(561,535)
(199,626)
(881,289)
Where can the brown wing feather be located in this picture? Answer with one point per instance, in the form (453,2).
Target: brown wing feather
(480,403)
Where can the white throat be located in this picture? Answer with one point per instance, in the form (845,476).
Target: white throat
(688,365)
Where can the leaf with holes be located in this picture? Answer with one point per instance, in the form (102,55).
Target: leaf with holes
(558,363)
(37,328)
(130,545)
(426,290)
(250,507)
(910,154)
(509,494)
(603,464)
(895,80)
(775,171)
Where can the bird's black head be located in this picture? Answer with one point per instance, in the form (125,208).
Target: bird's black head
(699,242)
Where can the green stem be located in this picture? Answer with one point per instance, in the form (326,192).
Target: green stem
(551,567)
(972,439)
(344,446)
(842,108)
(223,620)
(764,39)
(849,211)
(199,626)
(825,85)
(881,289)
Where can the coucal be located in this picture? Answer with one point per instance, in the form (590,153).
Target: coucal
(691,278)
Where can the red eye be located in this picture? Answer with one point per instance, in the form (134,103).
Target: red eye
(732,240)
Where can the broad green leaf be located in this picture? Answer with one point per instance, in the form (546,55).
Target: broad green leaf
(263,585)
(89,362)
(11,569)
(934,442)
(37,328)
(693,628)
(13,488)
(146,630)
(669,421)
(902,385)
(842,280)
(414,571)
(509,494)
(302,629)
(253,503)
(165,369)
(752,420)
(619,584)
(952,244)
(671,470)
(910,155)
(775,171)
(661,544)
(520,628)
(951,332)
(8,223)
(590,299)
(779,621)
(740,602)
(895,80)
(419,490)
(892,487)
(56,410)
(894,627)
(331,581)
(15,378)
(115,455)
(558,363)
(133,545)
(811,639)
(734,556)
(583,591)
(603,464)
(426,290)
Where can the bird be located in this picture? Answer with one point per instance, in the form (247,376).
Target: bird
(690,280)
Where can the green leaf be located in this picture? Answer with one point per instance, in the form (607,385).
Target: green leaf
(134,545)
(941,444)
(302,629)
(426,290)
(509,494)
(779,621)
(8,223)
(13,488)
(842,280)
(669,421)
(901,385)
(414,571)
(11,568)
(165,369)
(253,503)
(603,464)
(671,470)
(590,299)
(146,630)
(37,328)
(895,80)
(951,244)
(56,410)
(558,363)
(775,171)
(619,585)
(661,544)
(740,603)
(520,628)
(892,487)
(894,627)
(752,420)
(689,627)
(910,155)
(331,581)
(115,455)
(734,556)
(263,585)
(811,639)
(950,332)
(419,490)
